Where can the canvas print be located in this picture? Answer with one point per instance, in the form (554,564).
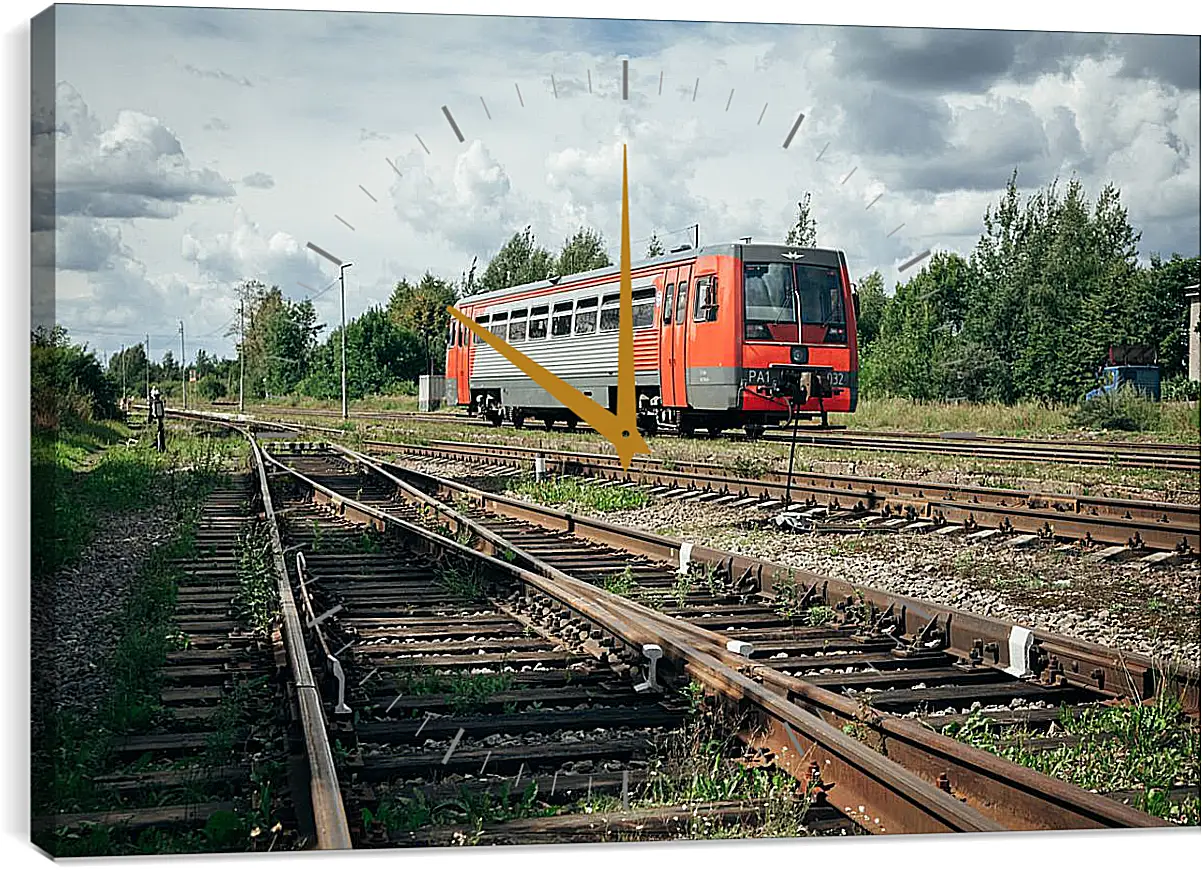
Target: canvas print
(456,430)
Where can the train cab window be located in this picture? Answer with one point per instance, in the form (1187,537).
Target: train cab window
(586,316)
(611,312)
(517,325)
(561,319)
(769,302)
(644,307)
(483,322)
(705,309)
(500,323)
(669,295)
(823,319)
(538,323)
(682,296)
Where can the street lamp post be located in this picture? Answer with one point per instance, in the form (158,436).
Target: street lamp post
(342,267)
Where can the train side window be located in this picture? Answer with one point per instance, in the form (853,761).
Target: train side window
(483,322)
(538,323)
(561,319)
(669,295)
(517,325)
(586,316)
(705,310)
(611,312)
(682,296)
(500,322)
(644,308)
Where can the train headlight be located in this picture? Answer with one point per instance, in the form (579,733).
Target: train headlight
(799,355)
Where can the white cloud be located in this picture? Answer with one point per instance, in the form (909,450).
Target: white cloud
(932,122)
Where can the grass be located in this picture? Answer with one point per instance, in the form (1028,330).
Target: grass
(755,459)
(463,693)
(620,584)
(582,495)
(257,602)
(700,761)
(1174,421)
(80,487)
(1148,747)
(466,583)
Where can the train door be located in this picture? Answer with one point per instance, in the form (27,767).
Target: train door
(463,367)
(667,346)
(680,335)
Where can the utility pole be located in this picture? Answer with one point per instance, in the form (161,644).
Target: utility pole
(123,361)
(342,289)
(148,367)
(241,351)
(183,368)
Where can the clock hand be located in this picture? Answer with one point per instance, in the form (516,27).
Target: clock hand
(621,429)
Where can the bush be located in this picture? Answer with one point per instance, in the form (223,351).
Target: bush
(1124,410)
(1179,389)
(211,388)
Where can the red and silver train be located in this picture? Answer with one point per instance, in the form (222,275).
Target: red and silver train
(725,336)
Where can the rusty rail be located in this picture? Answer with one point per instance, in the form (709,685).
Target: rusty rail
(329,814)
(900,800)
(1016,797)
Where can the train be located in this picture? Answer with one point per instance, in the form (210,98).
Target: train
(727,336)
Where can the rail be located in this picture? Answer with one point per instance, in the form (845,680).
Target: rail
(899,799)
(330,822)
(1014,796)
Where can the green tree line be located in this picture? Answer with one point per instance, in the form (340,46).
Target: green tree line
(1053,283)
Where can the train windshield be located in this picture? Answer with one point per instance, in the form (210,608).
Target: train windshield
(823,319)
(769,302)
(793,303)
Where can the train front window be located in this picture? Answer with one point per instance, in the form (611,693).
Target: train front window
(823,319)
(769,302)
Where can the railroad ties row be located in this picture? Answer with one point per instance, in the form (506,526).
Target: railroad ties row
(1159,533)
(469,711)
(1121,454)
(888,673)
(211,763)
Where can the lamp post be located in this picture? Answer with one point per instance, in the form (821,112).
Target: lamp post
(342,267)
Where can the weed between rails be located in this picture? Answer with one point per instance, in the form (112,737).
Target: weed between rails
(463,693)
(1148,748)
(700,762)
(582,495)
(256,603)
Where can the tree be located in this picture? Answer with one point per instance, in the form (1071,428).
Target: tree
(655,248)
(130,364)
(1056,283)
(872,307)
(421,309)
(66,380)
(280,339)
(380,357)
(519,261)
(1167,312)
(582,252)
(804,233)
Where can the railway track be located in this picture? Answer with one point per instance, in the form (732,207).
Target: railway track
(896,672)
(1119,454)
(1160,531)
(218,753)
(468,719)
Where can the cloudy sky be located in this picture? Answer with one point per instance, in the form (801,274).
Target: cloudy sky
(196,148)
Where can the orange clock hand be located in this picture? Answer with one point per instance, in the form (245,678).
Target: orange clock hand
(620,429)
